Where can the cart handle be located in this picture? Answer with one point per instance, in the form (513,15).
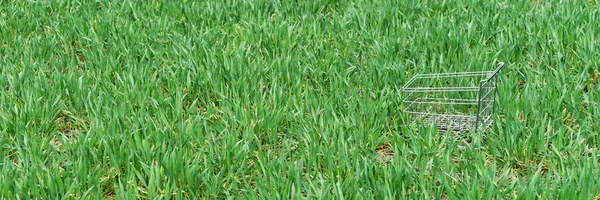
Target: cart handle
(500,66)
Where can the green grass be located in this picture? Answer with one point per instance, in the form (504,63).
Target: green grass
(286,99)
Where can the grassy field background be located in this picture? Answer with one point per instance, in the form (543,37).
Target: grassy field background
(291,99)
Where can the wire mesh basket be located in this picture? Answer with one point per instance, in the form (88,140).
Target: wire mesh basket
(459,101)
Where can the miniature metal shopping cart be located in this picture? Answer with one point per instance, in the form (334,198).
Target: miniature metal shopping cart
(460,101)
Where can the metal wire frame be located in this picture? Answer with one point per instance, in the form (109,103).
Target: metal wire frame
(467,106)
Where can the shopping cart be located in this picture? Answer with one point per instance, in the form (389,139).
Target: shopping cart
(460,101)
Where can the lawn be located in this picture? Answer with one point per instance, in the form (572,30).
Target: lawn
(292,99)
